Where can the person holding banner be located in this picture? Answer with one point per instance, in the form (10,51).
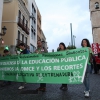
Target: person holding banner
(86,43)
(24,51)
(61,48)
(40,49)
(4,83)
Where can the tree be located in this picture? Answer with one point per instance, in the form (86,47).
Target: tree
(71,47)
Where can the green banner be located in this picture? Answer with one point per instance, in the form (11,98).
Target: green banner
(57,67)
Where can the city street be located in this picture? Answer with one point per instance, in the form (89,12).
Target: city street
(75,92)
(54,41)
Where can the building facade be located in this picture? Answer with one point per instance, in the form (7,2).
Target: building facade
(38,25)
(40,34)
(23,23)
(94,6)
(1,10)
(16,18)
(33,24)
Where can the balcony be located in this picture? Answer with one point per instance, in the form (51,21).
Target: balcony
(23,25)
(24,7)
(19,41)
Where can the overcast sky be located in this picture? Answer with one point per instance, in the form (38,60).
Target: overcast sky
(57,16)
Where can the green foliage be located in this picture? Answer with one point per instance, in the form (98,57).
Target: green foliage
(71,47)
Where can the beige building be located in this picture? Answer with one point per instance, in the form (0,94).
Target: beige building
(40,34)
(16,18)
(94,6)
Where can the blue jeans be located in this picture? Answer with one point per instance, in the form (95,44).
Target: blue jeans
(86,78)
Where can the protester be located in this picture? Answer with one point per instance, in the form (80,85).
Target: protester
(98,63)
(40,49)
(62,47)
(24,51)
(94,65)
(4,83)
(85,43)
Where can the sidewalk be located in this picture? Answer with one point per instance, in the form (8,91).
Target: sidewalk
(75,92)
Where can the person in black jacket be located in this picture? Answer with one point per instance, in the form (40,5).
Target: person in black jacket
(24,51)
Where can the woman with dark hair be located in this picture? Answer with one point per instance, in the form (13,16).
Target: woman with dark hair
(62,47)
(86,43)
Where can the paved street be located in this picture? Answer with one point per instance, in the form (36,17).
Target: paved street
(75,92)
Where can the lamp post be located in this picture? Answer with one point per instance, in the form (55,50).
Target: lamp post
(71,34)
(1,41)
(74,39)
(96,5)
(4,31)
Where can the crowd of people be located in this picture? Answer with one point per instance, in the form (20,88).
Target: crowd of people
(91,65)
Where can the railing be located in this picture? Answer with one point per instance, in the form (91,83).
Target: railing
(23,25)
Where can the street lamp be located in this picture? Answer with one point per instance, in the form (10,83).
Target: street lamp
(1,41)
(74,39)
(4,31)
(96,5)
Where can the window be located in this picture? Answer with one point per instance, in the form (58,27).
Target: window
(24,3)
(23,20)
(25,40)
(33,10)
(18,38)
(19,15)
(33,35)
(32,22)
(18,35)
(96,5)
(22,38)
(26,23)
